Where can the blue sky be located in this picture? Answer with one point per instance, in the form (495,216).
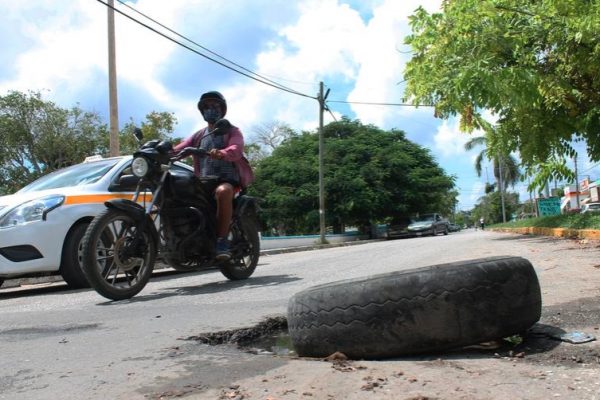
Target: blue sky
(355,47)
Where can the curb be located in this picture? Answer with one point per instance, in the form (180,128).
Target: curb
(566,233)
(17,282)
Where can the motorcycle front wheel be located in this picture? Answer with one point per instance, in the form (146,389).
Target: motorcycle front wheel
(117,261)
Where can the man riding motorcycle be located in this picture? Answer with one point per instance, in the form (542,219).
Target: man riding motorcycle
(223,153)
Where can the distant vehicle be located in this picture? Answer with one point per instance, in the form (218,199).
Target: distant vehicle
(428,224)
(398,228)
(454,227)
(590,208)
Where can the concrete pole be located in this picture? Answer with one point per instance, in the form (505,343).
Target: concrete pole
(321,181)
(501,184)
(112,83)
(577,183)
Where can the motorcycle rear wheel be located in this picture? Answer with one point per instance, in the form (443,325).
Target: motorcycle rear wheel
(245,244)
(111,266)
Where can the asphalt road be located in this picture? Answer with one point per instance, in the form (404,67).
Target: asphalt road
(59,343)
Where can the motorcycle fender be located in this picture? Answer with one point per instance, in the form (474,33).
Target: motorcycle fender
(130,207)
(136,211)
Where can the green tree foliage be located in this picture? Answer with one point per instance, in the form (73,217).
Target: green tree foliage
(533,63)
(501,162)
(157,125)
(490,207)
(370,175)
(38,137)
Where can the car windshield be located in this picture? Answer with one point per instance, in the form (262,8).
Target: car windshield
(594,206)
(425,218)
(76,175)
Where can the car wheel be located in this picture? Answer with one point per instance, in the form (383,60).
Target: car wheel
(413,311)
(70,264)
(445,230)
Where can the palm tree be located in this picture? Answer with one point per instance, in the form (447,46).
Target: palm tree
(506,167)
(507,163)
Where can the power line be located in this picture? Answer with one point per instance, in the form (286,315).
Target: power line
(198,44)
(380,104)
(246,74)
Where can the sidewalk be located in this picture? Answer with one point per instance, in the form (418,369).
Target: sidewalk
(591,234)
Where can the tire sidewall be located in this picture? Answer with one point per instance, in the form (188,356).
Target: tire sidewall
(90,269)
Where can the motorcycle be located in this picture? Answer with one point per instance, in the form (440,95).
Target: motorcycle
(172,217)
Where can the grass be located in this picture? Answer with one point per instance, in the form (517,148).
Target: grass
(567,221)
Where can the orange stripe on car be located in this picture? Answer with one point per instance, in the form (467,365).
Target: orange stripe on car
(101,198)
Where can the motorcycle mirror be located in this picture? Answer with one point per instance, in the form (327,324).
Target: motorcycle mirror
(139,135)
(221,127)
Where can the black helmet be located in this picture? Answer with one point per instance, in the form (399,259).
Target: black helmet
(216,96)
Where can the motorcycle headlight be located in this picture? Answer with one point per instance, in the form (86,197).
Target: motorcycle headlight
(33,210)
(140,167)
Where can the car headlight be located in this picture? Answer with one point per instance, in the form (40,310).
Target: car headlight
(140,167)
(33,210)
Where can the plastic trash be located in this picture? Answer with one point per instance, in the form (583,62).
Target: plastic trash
(576,337)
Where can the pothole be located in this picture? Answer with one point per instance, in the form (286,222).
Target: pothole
(268,337)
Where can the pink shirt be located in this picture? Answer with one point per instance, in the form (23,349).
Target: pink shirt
(233,151)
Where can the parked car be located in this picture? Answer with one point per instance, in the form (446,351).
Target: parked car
(590,208)
(41,225)
(398,228)
(454,227)
(428,224)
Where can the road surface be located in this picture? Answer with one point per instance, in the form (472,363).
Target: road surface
(59,343)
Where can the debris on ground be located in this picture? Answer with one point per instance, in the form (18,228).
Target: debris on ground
(576,337)
(243,336)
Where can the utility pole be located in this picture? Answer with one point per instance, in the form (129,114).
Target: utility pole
(321,99)
(112,83)
(501,184)
(577,183)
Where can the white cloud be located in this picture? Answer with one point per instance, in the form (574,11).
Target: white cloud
(450,141)
(381,58)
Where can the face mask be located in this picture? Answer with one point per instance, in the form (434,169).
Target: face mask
(212,114)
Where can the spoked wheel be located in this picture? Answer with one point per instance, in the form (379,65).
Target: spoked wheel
(116,260)
(245,247)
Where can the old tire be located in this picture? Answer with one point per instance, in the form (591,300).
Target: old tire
(415,311)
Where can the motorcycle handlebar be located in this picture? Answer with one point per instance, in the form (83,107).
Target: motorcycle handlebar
(189,151)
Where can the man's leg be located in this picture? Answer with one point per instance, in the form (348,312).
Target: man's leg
(224,195)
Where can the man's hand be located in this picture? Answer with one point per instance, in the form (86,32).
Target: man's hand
(216,154)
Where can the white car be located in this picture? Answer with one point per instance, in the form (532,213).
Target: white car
(590,208)
(41,225)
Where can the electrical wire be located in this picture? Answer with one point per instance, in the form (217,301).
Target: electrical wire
(380,104)
(246,74)
(199,45)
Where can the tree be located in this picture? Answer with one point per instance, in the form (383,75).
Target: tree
(370,175)
(38,137)
(490,207)
(534,64)
(510,166)
(157,125)
(270,135)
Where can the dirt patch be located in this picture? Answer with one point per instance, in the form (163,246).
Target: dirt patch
(243,337)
